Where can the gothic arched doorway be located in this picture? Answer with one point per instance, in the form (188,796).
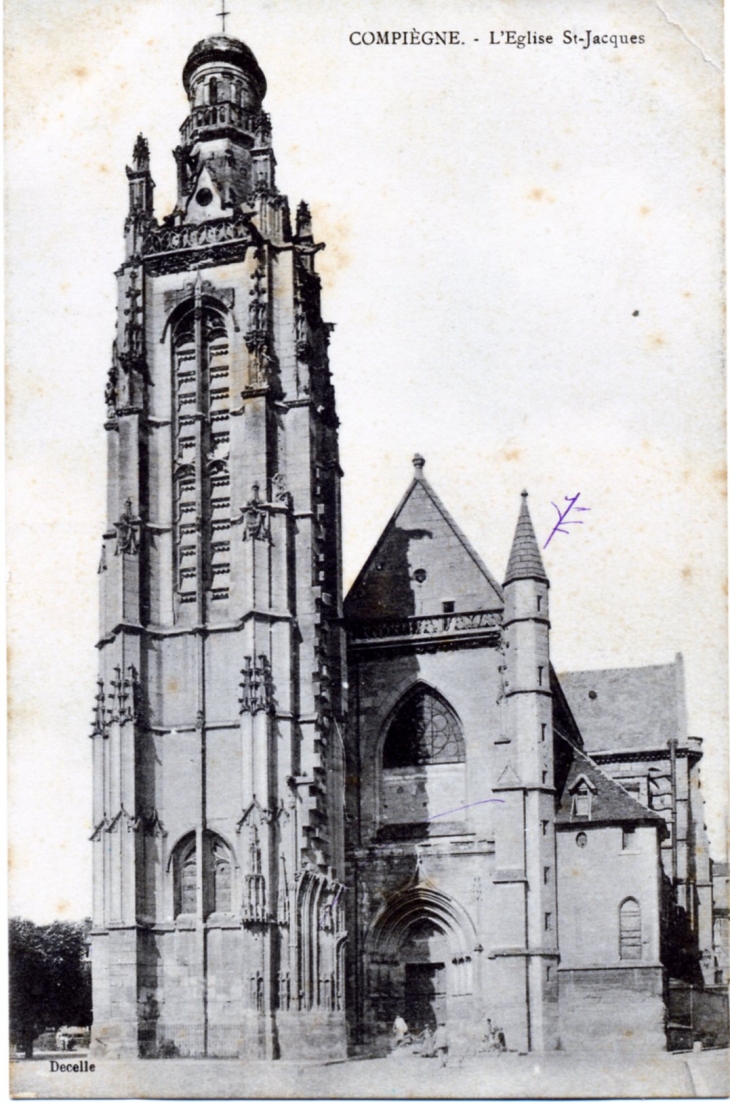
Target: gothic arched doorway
(419,960)
(425,954)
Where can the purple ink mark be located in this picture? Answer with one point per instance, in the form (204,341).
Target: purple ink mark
(455,809)
(561,517)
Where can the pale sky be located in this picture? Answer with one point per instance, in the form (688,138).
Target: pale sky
(524,256)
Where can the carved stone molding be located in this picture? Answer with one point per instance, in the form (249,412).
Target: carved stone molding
(123,704)
(215,234)
(257,686)
(226,295)
(128,529)
(255,518)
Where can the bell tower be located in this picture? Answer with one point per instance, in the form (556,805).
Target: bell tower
(217,746)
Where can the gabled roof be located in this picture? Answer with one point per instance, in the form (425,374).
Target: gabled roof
(610,803)
(421,559)
(525,560)
(583,779)
(628,709)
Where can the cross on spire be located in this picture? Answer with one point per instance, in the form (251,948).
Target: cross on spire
(222,16)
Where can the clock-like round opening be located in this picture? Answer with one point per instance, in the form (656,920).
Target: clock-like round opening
(204,197)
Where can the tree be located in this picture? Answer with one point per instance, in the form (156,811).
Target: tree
(50,985)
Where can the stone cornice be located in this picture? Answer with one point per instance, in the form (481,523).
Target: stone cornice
(158,631)
(480,627)
(645,754)
(517,952)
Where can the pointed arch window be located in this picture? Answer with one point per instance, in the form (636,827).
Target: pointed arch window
(217,879)
(186,878)
(222,877)
(630,930)
(424,731)
(201,411)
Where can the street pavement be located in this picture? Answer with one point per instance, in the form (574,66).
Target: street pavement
(556,1075)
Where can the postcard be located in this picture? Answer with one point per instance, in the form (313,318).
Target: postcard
(367,549)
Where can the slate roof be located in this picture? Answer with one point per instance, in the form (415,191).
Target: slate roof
(610,803)
(384,586)
(628,709)
(525,560)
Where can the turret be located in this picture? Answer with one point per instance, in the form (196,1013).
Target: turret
(528,785)
(526,612)
(225,155)
(141,202)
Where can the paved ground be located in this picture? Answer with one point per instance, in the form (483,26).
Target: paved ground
(558,1075)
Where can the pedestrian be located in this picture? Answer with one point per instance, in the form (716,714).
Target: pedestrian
(400,1031)
(427,1042)
(441,1044)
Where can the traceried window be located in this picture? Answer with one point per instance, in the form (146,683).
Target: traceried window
(424,731)
(630,930)
(217,880)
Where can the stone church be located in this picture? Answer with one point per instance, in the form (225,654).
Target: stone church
(312,815)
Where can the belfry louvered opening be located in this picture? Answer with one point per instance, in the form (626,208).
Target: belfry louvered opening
(201,367)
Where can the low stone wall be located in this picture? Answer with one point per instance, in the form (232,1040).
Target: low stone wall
(697,1014)
(612,1008)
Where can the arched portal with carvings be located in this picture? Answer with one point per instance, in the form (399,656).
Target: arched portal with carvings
(419,954)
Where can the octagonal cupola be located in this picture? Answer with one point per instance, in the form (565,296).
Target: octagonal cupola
(221,70)
(225,150)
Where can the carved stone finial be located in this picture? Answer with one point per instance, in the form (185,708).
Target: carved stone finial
(257,686)
(255,518)
(141,154)
(419,463)
(524,493)
(110,391)
(304,220)
(128,531)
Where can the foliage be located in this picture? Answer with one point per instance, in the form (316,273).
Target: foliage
(50,982)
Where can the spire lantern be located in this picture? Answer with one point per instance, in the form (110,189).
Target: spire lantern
(226,138)
(223,70)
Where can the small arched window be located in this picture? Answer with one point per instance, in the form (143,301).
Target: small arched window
(213,90)
(630,930)
(424,731)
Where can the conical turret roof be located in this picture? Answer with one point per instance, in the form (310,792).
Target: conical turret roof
(525,560)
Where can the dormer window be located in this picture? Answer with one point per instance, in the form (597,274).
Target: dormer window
(582,793)
(582,802)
